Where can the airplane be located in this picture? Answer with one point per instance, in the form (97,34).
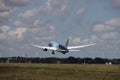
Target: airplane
(55,46)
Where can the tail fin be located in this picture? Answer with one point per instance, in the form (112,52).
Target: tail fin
(67,42)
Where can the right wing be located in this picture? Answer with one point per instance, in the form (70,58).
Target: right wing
(74,50)
(43,47)
(74,47)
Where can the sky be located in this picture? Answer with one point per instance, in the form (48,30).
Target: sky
(26,22)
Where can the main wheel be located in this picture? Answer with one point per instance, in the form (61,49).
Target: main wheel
(53,52)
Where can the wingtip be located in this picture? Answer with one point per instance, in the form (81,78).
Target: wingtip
(94,43)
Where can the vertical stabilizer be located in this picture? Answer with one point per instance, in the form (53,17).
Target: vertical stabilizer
(67,42)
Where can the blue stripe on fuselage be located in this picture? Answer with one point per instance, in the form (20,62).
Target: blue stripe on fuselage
(62,47)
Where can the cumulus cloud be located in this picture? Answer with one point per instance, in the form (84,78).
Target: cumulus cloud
(3,7)
(18,33)
(37,22)
(7,7)
(94,38)
(2,36)
(4,29)
(77,40)
(107,25)
(18,23)
(108,29)
(5,16)
(16,2)
(113,22)
(56,7)
(29,13)
(51,7)
(102,27)
(5,32)
(110,35)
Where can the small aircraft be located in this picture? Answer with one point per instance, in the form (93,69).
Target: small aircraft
(55,46)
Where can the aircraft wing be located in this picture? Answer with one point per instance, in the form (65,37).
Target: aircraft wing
(43,47)
(74,50)
(74,47)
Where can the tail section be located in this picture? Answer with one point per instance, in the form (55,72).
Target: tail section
(67,42)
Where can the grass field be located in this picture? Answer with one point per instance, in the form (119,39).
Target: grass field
(21,71)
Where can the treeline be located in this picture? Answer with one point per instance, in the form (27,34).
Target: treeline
(69,60)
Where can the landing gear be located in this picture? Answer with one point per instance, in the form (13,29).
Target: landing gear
(53,52)
(63,53)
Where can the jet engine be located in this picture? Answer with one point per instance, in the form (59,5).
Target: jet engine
(45,49)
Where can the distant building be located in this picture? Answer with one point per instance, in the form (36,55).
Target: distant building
(108,63)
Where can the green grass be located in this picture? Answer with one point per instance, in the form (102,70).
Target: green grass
(20,71)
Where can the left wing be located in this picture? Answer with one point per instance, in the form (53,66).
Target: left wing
(44,47)
(74,47)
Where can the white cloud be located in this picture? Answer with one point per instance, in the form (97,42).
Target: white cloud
(33,25)
(2,36)
(56,7)
(18,33)
(110,35)
(78,40)
(18,23)
(75,40)
(29,13)
(102,27)
(51,7)
(4,29)
(4,16)
(107,25)
(37,22)
(113,22)
(7,7)
(16,2)
(108,29)
(3,7)
(94,38)
(5,32)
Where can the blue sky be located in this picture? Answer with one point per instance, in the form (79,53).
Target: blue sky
(25,22)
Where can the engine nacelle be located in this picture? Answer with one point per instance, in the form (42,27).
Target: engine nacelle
(45,49)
